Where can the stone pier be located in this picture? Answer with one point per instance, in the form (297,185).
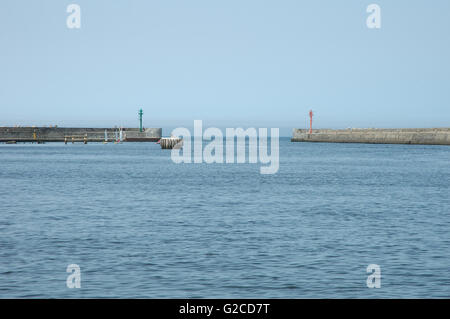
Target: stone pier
(59,134)
(427,136)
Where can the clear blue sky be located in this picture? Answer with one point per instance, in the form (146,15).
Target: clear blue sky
(227,62)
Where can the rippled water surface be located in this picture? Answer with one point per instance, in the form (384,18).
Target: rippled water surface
(140,225)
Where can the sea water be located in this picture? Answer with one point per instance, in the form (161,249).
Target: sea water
(139,225)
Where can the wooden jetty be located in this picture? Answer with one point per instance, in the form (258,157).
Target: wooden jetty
(76,138)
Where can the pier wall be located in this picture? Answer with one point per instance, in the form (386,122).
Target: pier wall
(58,134)
(427,136)
(149,135)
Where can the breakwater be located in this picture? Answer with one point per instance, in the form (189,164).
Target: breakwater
(430,136)
(60,134)
(171,142)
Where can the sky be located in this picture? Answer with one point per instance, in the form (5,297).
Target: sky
(233,63)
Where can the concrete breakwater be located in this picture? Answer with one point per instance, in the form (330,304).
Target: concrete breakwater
(171,142)
(60,134)
(430,136)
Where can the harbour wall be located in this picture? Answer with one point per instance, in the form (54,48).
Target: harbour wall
(427,136)
(60,134)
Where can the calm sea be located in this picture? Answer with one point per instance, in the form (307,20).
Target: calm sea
(139,225)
